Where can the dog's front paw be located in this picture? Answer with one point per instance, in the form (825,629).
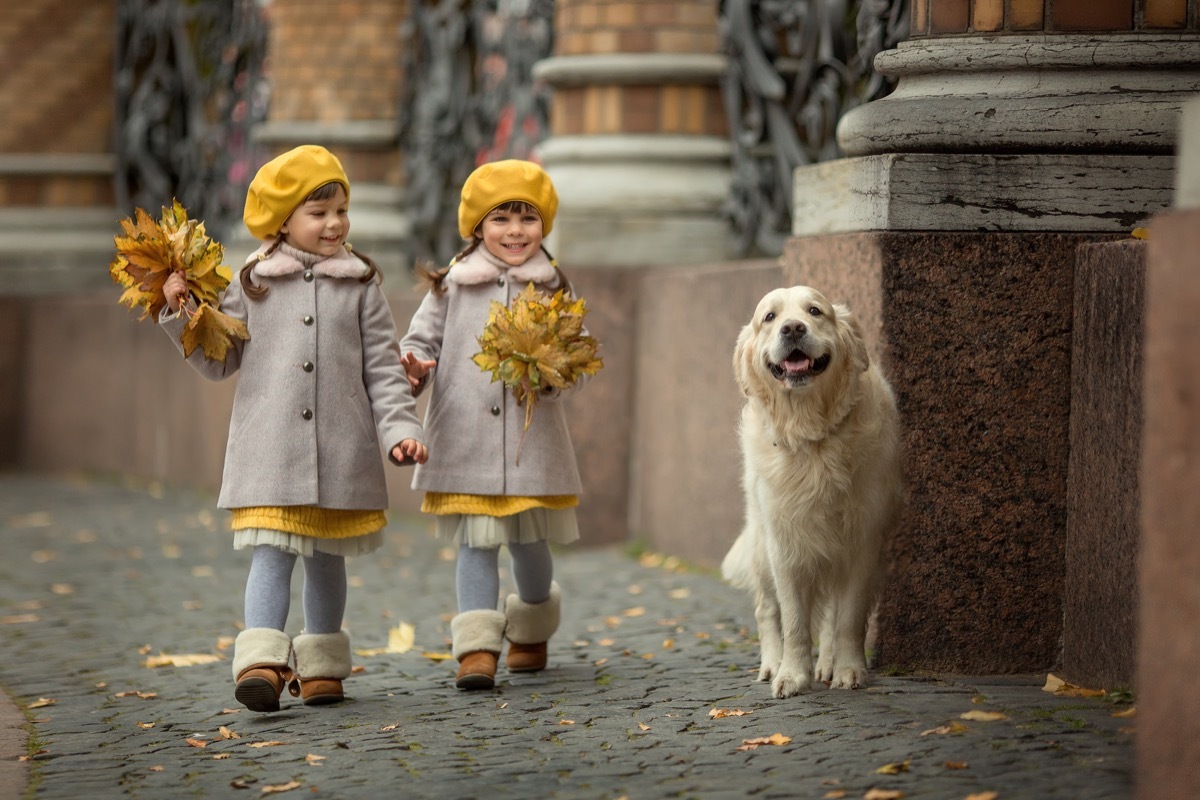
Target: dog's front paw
(791,684)
(767,671)
(824,671)
(849,678)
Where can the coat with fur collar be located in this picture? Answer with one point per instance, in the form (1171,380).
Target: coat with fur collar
(320,389)
(473,424)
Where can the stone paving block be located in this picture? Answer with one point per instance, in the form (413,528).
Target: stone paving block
(643,656)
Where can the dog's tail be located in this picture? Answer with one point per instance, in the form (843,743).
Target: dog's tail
(738,565)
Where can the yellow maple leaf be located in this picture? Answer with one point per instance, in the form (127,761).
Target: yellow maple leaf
(1056,685)
(536,345)
(150,251)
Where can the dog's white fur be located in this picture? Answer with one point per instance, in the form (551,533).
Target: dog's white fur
(823,481)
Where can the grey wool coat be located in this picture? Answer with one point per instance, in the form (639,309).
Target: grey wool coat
(321,385)
(473,424)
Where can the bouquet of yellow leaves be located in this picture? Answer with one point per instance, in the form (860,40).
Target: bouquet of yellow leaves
(151,250)
(536,345)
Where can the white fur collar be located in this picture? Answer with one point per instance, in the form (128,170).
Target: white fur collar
(480,266)
(287,260)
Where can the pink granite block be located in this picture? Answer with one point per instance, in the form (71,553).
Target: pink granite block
(1168,726)
(977,333)
(1100,606)
(687,497)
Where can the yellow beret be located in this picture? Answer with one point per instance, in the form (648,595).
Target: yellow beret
(284,182)
(501,182)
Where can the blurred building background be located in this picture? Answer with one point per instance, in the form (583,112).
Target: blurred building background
(967,174)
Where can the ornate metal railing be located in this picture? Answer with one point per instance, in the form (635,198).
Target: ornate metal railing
(471,98)
(188,90)
(795,67)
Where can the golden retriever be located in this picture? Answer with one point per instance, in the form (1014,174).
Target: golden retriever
(823,481)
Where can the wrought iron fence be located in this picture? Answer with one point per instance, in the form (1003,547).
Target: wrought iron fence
(795,67)
(189,88)
(471,99)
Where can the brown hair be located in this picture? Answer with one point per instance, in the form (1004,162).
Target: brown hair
(322,192)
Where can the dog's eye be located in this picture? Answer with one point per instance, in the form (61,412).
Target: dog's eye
(770,316)
(816,312)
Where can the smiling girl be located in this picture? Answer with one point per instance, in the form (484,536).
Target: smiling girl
(481,496)
(320,390)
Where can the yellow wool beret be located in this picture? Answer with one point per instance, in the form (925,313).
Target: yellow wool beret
(283,183)
(500,182)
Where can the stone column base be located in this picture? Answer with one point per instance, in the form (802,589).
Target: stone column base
(976,334)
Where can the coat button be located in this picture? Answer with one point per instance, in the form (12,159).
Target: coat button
(308,275)
(495,411)
(307,366)
(306,413)
(308,320)
(500,281)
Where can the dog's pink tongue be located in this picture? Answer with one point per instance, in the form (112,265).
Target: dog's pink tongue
(797,364)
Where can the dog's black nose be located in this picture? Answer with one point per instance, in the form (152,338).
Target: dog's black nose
(793,328)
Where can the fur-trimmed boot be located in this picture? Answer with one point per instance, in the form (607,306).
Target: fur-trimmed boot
(322,661)
(260,667)
(477,638)
(530,627)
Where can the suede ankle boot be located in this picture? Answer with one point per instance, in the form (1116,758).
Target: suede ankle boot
(260,667)
(322,662)
(477,638)
(529,628)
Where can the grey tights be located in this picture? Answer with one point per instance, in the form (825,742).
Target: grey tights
(269,590)
(478,576)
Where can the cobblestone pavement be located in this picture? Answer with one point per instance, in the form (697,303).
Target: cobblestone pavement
(98,576)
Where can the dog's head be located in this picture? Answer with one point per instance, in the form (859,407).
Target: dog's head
(798,342)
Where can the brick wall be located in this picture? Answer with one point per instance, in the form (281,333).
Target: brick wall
(55,98)
(600,27)
(956,17)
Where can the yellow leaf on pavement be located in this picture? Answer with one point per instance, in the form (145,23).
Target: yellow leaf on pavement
(883,794)
(984,716)
(894,768)
(1056,685)
(188,660)
(276,788)
(400,640)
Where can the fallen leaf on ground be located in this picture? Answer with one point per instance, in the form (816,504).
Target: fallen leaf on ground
(834,794)
(643,726)
(142,695)
(145,725)
(38,519)
(1129,712)
(197,742)
(636,611)
(264,744)
(949,727)
(438,656)
(62,588)
(180,660)
(982,796)
(19,619)
(276,788)
(42,702)
(400,640)
(894,768)
(315,760)
(1140,233)
(883,794)
(220,756)
(226,733)
(680,594)
(156,768)
(1056,685)
(984,716)
(955,765)
(566,722)
(775,739)
(391,727)
(719,713)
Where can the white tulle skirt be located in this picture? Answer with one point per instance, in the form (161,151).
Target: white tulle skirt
(555,525)
(307,545)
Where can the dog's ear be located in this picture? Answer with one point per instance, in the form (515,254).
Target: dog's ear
(850,336)
(741,359)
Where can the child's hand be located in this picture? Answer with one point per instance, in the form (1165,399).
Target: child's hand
(174,290)
(416,370)
(410,450)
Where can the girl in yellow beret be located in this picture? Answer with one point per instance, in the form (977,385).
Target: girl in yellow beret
(320,390)
(482,496)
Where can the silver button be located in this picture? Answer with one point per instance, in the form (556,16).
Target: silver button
(308,320)
(306,413)
(307,366)
(308,275)
(500,281)
(495,411)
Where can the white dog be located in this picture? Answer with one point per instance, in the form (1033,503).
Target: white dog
(823,483)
